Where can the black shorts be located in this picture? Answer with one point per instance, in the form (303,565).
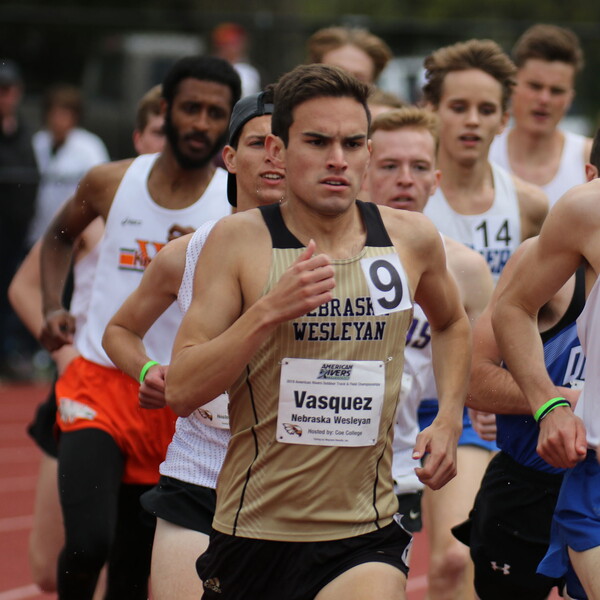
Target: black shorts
(236,568)
(184,504)
(409,506)
(43,429)
(508,530)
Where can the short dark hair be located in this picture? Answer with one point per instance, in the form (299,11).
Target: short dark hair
(550,43)
(485,55)
(595,152)
(306,82)
(204,68)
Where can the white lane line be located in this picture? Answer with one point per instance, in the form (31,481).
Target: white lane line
(16,523)
(412,585)
(27,591)
(17,484)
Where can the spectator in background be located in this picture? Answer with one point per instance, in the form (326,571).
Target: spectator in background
(64,153)
(355,50)
(230,41)
(18,185)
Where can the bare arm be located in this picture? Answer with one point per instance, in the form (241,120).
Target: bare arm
(24,292)
(438,295)
(533,207)
(123,337)
(473,277)
(25,296)
(92,198)
(492,388)
(218,324)
(541,271)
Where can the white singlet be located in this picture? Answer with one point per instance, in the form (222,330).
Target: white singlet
(406,430)
(84,270)
(136,229)
(571,170)
(495,233)
(196,453)
(588,330)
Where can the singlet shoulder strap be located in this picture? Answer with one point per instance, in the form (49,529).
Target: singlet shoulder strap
(281,236)
(377,235)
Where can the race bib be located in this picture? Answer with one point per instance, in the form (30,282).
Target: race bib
(215,413)
(492,232)
(330,402)
(388,284)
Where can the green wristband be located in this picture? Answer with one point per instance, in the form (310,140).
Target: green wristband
(549,406)
(146,368)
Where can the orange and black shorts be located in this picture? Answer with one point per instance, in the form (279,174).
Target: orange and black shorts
(93,396)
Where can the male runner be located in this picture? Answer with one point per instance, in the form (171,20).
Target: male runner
(184,499)
(568,240)
(402,174)
(535,148)
(508,529)
(468,85)
(310,302)
(106,438)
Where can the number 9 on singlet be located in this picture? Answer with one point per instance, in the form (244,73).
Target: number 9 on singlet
(388,284)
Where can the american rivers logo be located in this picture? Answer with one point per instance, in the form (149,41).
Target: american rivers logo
(334,371)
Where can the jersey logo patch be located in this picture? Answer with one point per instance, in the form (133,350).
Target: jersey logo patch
(137,259)
(71,410)
(214,585)
(505,568)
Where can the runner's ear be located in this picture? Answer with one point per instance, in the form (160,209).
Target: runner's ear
(275,150)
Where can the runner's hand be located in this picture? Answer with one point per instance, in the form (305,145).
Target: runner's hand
(304,286)
(58,330)
(152,391)
(436,445)
(562,439)
(484,424)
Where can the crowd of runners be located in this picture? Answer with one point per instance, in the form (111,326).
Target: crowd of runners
(309,321)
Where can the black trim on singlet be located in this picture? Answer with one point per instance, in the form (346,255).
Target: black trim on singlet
(573,310)
(282,237)
(377,235)
(256,453)
(376,479)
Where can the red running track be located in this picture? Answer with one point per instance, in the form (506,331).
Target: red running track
(19,459)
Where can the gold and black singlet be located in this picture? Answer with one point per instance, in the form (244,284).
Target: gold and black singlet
(312,415)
